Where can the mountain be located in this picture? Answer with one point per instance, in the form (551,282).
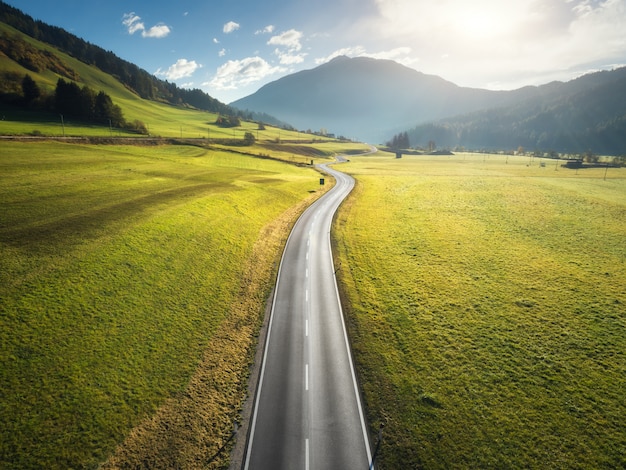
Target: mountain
(366,98)
(372,99)
(584,115)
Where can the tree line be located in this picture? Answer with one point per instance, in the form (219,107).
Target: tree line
(544,131)
(71,100)
(144,84)
(84,103)
(399,141)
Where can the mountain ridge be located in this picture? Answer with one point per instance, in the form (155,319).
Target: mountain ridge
(587,116)
(371,99)
(344,87)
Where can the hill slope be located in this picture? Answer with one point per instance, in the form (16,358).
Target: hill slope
(21,54)
(586,114)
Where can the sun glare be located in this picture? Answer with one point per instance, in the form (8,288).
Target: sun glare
(479,24)
(481,20)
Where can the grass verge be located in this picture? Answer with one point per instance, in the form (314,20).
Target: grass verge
(189,429)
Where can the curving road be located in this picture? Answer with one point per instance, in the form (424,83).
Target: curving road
(307,412)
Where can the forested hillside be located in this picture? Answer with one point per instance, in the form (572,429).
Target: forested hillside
(589,119)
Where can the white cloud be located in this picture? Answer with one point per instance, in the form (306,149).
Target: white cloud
(356,51)
(230,27)
(288,47)
(222,52)
(598,29)
(134,24)
(402,55)
(216,41)
(235,74)
(493,41)
(289,39)
(158,31)
(287,58)
(181,69)
(269,29)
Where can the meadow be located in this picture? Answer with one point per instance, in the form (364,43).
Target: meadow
(132,286)
(161,121)
(486,302)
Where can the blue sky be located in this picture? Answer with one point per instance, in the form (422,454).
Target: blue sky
(230,49)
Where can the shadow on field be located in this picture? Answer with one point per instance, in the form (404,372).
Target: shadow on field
(74,228)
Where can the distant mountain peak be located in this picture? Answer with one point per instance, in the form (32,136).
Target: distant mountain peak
(339,58)
(359,97)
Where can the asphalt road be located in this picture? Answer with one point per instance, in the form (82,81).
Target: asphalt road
(307,412)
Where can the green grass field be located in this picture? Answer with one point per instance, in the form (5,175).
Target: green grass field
(161,121)
(118,266)
(486,301)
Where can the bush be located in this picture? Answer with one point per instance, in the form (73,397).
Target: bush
(228,121)
(248,138)
(137,126)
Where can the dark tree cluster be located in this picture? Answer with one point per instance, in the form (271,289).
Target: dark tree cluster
(228,121)
(71,100)
(248,138)
(399,141)
(85,103)
(30,89)
(541,132)
(200,100)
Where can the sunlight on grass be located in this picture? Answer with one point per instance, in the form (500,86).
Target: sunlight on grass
(117,266)
(486,302)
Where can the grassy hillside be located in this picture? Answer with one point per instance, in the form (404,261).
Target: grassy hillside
(161,119)
(123,284)
(486,306)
